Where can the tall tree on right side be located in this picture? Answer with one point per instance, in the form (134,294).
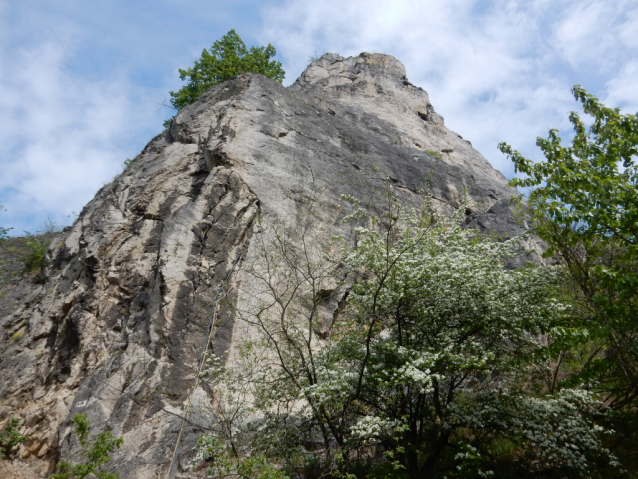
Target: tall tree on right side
(585,198)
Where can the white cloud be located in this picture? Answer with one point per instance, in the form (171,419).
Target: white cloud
(622,90)
(63,136)
(596,34)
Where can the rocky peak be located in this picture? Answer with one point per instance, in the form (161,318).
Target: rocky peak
(117,330)
(378,84)
(366,80)
(332,69)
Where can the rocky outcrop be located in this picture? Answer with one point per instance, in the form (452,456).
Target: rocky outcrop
(117,330)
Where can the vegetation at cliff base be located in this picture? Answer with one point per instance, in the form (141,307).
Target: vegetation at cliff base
(585,199)
(227,58)
(432,365)
(10,437)
(414,353)
(96,453)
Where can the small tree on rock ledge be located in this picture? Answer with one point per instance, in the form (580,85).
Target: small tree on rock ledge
(227,58)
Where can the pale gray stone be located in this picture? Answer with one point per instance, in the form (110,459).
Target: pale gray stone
(117,329)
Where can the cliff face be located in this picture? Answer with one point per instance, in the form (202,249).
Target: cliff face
(117,330)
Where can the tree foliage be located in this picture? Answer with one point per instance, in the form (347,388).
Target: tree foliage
(423,370)
(227,58)
(585,198)
(96,453)
(591,186)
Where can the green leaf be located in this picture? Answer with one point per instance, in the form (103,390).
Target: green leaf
(228,57)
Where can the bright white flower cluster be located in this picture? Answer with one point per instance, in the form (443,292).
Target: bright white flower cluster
(556,429)
(369,428)
(330,384)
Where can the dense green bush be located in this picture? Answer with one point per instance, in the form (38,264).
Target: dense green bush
(35,250)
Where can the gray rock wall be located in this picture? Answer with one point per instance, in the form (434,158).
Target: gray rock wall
(117,330)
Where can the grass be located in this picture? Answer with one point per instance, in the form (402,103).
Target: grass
(17,336)
(436,154)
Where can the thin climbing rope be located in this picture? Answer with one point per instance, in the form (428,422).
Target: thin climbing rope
(287,187)
(211,324)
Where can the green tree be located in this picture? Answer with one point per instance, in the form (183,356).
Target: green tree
(591,187)
(585,198)
(227,58)
(96,453)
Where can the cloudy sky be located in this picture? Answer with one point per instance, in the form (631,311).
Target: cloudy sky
(82,83)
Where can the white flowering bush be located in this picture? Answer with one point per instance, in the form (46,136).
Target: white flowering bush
(438,320)
(424,367)
(556,432)
(467,464)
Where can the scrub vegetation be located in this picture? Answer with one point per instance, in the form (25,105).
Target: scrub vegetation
(434,360)
(24,255)
(96,453)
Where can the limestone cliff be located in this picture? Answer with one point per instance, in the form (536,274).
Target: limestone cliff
(117,329)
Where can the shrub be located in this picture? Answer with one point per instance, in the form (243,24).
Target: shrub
(96,453)
(436,154)
(36,249)
(10,437)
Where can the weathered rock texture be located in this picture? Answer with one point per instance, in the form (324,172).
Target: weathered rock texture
(117,330)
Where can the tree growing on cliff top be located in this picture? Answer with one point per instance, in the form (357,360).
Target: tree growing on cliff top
(227,58)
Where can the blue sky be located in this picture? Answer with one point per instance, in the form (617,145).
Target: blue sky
(82,83)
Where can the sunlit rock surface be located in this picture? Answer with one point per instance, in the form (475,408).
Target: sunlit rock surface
(117,329)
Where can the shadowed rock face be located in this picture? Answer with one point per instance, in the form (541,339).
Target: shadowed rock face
(117,330)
